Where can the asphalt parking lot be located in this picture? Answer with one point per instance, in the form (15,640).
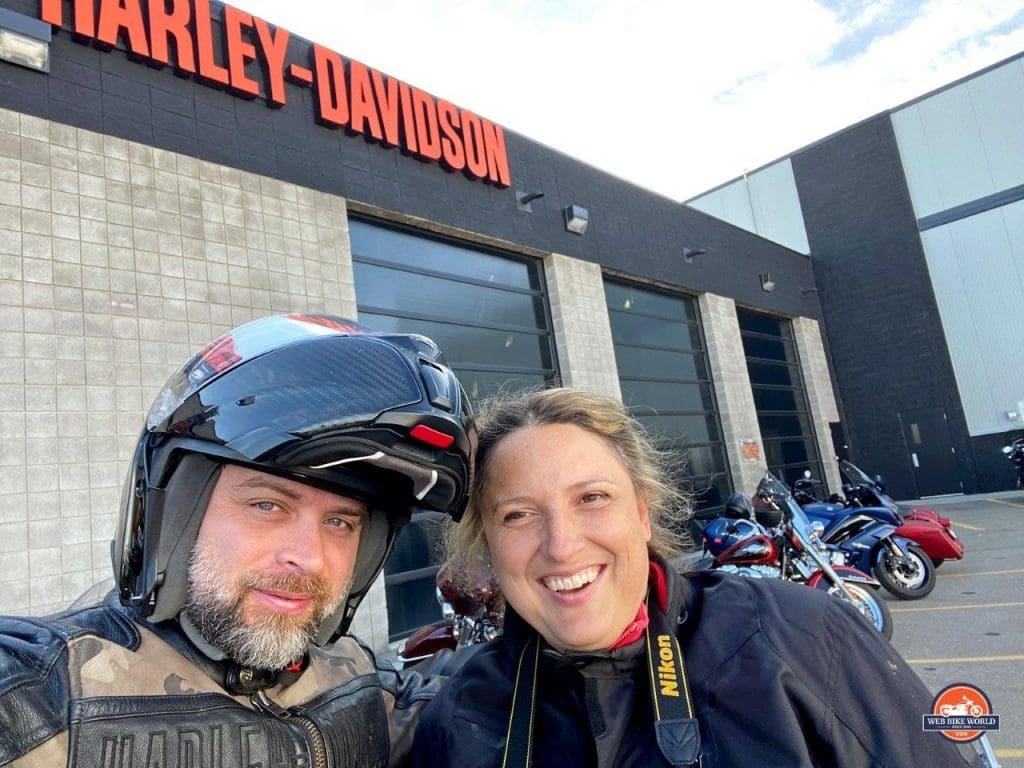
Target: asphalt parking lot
(971,628)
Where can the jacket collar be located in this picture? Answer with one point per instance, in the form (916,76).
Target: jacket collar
(681,599)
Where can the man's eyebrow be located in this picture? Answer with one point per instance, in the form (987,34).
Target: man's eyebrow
(354,507)
(270,484)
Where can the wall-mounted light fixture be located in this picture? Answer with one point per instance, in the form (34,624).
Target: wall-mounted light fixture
(523,199)
(690,253)
(24,41)
(576,219)
(767,284)
(808,291)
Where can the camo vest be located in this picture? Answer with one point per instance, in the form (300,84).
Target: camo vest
(95,689)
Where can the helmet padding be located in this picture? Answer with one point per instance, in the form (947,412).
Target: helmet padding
(183,503)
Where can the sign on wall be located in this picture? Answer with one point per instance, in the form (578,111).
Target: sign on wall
(254,63)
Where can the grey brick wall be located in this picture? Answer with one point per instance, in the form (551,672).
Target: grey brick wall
(732,389)
(820,397)
(579,317)
(118,262)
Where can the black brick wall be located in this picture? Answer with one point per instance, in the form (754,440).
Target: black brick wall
(631,230)
(886,338)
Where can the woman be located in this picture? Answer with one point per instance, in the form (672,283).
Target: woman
(611,658)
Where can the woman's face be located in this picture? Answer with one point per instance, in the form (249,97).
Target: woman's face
(567,534)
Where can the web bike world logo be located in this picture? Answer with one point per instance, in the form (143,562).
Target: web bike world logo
(961,713)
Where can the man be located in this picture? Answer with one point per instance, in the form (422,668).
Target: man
(274,473)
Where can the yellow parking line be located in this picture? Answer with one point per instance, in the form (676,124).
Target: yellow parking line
(967,659)
(979,573)
(968,527)
(1009,753)
(955,607)
(1007,503)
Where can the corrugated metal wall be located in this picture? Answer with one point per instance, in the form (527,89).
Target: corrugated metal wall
(963,154)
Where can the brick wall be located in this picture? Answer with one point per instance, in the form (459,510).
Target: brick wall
(579,318)
(885,335)
(820,398)
(117,262)
(732,390)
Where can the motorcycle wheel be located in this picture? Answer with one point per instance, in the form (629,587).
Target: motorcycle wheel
(908,578)
(872,608)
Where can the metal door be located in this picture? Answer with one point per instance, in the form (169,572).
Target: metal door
(931,452)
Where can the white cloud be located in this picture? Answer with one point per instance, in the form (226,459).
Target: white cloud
(675,96)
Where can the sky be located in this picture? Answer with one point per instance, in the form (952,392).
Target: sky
(677,96)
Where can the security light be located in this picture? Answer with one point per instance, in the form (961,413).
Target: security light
(576,219)
(24,41)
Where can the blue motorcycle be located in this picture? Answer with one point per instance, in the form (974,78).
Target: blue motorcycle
(864,537)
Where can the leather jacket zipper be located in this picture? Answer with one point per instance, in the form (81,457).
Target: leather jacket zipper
(263,703)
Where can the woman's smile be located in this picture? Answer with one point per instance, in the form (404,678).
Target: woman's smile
(567,534)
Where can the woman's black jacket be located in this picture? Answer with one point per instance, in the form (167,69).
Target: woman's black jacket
(781,675)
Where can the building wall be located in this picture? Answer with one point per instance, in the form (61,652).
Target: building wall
(913,222)
(820,397)
(977,270)
(732,391)
(963,152)
(888,348)
(764,202)
(117,263)
(579,318)
(964,143)
(631,229)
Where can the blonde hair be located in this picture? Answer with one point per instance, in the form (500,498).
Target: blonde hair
(648,467)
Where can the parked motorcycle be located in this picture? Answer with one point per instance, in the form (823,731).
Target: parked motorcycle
(472,610)
(922,525)
(1015,453)
(866,538)
(774,538)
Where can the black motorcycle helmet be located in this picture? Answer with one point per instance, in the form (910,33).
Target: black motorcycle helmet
(313,398)
(768,510)
(738,507)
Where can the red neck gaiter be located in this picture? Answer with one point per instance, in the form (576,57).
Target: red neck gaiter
(635,630)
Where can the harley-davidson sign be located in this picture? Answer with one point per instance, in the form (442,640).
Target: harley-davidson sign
(349,95)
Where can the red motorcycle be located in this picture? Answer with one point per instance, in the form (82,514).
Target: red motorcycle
(773,538)
(472,609)
(922,525)
(933,532)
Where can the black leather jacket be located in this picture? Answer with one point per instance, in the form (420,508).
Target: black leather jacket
(781,676)
(97,687)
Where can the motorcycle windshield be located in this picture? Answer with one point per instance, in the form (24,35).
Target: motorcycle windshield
(870,494)
(854,474)
(771,490)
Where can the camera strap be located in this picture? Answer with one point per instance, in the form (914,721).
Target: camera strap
(676,729)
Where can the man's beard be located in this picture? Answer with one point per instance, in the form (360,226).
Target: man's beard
(215,604)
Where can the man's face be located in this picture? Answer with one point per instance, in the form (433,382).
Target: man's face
(273,558)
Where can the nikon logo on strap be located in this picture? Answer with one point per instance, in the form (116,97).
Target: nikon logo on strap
(667,678)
